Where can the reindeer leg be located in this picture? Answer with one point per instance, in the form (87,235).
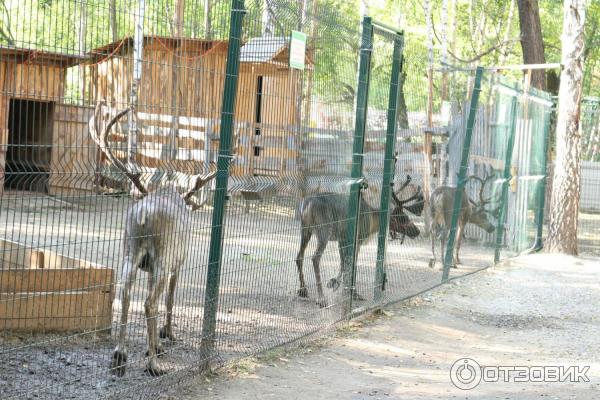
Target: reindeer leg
(157,284)
(334,283)
(166,331)
(322,244)
(432,235)
(443,236)
(306,235)
(119,359)
(459,235)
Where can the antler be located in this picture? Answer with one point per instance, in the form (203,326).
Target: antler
(199,182)
(483,181)
(404,185)
(418,195)
(101,138)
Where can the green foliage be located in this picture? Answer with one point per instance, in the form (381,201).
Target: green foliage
(481,26)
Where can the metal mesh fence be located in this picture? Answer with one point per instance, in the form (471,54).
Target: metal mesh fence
(589,207)
(180,181)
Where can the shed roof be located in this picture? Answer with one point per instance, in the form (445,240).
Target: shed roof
(39,57)
(263,49)
(187,44)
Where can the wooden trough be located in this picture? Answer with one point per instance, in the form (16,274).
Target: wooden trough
(42,291)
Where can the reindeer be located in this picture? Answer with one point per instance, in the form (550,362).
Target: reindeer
(441,205)
(325,214)
(157,230)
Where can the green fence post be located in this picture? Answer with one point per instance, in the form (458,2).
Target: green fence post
(357,162)
(213,278)
(388,166)
(506,178)
(462,173)
(541,197)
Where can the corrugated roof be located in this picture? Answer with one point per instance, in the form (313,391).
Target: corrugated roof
(263,49)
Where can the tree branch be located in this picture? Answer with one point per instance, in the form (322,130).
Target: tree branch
(479,56)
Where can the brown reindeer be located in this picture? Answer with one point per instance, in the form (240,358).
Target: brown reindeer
(441,206)
(326,215)
(157,230)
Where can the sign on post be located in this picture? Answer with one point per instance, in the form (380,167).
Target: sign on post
(297,50)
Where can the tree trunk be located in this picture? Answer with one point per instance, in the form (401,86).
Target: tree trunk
(207,16)
(531,40)
(562,236)
(112,13)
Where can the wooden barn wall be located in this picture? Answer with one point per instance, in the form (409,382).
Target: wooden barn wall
(199,90)
(25,81)
(37,82)
(73,161)
(277,139)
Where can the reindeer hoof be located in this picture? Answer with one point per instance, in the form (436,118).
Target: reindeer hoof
(118,362)
(432,263)
(321,302)
(159,351)
(153,369)
(333,284)
(166,334)
(303,292)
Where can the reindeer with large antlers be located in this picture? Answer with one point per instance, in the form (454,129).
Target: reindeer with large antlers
(326,215)
(156,235)
(441,205)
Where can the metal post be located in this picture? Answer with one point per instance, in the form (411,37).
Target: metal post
(213,278)
(541,199)
(388,166)
(357,162)
(138,53)
(462,174)
(506,178)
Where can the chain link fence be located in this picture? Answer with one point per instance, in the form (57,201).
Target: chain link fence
(185,183)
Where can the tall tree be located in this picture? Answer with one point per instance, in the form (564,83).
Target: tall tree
(532,41)
(562,235)
(112,17)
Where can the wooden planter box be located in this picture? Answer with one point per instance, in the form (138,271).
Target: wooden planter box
(42,291)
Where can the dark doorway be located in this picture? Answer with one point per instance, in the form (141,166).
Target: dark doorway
(29,145)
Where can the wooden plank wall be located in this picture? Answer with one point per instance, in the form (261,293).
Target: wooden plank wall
(43,291)
(73,161)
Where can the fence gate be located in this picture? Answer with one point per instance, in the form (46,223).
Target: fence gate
(522,125)
(373,158)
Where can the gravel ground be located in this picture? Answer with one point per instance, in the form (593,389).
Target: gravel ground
(538,310)
(258,305)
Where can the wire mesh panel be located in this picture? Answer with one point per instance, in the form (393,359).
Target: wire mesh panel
(109,117)
(289,184)
(528,172)
(589,208)
(186,182)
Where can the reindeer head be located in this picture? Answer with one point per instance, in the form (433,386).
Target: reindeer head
(479,214)
(400,223)
(99,131)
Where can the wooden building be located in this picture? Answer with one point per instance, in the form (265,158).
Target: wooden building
(180,95)
(32,89)
(269,104)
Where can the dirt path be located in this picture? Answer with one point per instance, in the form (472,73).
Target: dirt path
(538,311)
